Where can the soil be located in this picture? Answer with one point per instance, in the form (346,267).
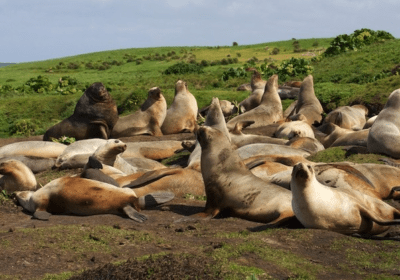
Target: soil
(171,245)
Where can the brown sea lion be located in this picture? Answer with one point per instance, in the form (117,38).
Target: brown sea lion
(182,114)
(232,189)
(94,116)
(341,210)
(384,135)
(350,117)
(257,90)
(17,177)
(80,196)
(147,120)
(269,111)
(307,104)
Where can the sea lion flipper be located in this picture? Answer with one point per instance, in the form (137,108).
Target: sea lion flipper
(94,163)
(253,164)
(156,198)
(41,215)
(240,125)
(134,214)
(150,177)
(376,218)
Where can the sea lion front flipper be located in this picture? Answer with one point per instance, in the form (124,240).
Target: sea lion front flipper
(134,214)
(156,198)
(94,163)
(240,125)
(41,215)
(151,176)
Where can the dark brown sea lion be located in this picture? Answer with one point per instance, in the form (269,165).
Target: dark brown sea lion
(94,117)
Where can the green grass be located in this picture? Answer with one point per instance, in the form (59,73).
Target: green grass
(337,154)
(339,80)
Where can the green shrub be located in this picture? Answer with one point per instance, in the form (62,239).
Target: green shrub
(234,73)
(275,51)
(184,68)
(40,84)
(64,140)
(23,127)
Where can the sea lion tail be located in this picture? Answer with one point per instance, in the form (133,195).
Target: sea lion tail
(154,199)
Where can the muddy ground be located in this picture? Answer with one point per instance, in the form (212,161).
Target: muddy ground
(170,246)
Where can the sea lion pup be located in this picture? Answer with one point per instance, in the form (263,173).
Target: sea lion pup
(240,139)
(147,120)
(384,135)
(307,104)
(179,181)
(94,116)
(350,117)
(17,177)
(232,189)
(92,171)
(292,129)
(80,196)
(257,90)
(182,114)
(341,210)
(269,111)
(33,149)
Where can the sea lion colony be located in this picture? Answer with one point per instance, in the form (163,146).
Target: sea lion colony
(253,166)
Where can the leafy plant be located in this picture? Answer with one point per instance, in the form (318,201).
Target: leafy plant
(64,140)
(40,84)
(234,73)
(23,127)
(183,68)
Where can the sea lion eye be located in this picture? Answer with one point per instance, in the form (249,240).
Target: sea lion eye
(117,141)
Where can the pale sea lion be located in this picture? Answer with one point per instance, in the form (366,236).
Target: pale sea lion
(152,150)
(182,114)
(292,129)
(80,196)
(269,111)
(308,104)
(341,210)
(384,135)
(33,149)
(269,149)
(94,116)
(356,138)
(310,145)
(36,164)
(329,132)
(147,120)
(17,177)
(232,189)
(350,117)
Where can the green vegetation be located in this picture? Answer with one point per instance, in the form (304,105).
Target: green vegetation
(337,154)
(35,96)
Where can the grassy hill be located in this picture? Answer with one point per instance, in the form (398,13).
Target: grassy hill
(359,77)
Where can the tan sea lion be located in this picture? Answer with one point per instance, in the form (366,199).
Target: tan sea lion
(310,145)
(80,196)
(33,149)
(384,135)
(152,150)
(147,120)
(36,164)
(182,114)
(269,111)
(350,117)
(269,149)
(232,189)
(257,85)
(94,116)
(329,132)
(308,104)
(292,129)
(341,210)
(17,177)
(356,138)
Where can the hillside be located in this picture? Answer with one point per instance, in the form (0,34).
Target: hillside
(33,97)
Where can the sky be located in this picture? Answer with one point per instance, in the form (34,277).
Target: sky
(34,30)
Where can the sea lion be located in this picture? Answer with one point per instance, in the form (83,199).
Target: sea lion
(307,104)
(179,181)
(182,114)
(80,196)
(356,138)
(33,149)
(152,150)
(36,164)
(292,129)
(370,122)
(227,107)
(269,111)
(384,135)
(257,85)
(329,132)
(341,210)
(310,145)
(147,120)
(17,177)
(350,117)
(269,149)
(94,116)
(232,189)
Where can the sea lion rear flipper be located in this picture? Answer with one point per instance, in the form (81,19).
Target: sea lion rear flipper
(375,218)
(240,125)
(134,214)
(102,126)
(154,199)
(150,177)
(41,215)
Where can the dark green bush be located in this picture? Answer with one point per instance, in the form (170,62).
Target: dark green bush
(183,68)
(275,51)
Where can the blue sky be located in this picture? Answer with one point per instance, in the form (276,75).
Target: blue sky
(33,30)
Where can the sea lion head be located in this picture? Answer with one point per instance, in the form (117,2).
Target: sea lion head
(155,93)
(393,100)
(272,83)
(302,173)
(98,93)
(9,166)
(206,134)
(180,86)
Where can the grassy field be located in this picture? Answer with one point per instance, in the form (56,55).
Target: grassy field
(358,77)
